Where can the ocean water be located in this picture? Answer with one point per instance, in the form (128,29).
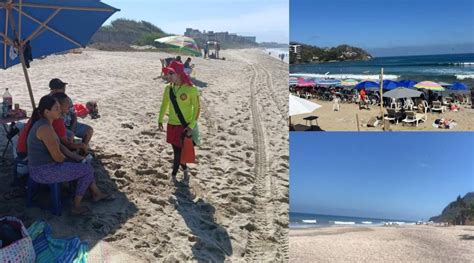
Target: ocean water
(303,220)
(445,68)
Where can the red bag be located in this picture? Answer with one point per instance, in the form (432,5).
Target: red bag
(187,152)
(81,110)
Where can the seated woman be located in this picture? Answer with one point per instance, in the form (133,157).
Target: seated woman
(47,156)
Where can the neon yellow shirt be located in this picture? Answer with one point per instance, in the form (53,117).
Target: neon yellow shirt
(188,101)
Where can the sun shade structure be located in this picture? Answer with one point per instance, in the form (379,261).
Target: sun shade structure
(429,85)
(390,84)
(458,86)
(301,82)
(182,43)
(368,85)
(45,27)
(349,82)
(301,106)
(407,83)
(400,93)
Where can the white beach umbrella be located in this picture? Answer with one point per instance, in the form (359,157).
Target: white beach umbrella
(301,106)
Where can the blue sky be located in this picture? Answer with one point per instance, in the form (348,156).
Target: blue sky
(265,19)
(380,25)
(406,176)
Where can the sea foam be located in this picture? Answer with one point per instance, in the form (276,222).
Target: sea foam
(345,76)
(343,223)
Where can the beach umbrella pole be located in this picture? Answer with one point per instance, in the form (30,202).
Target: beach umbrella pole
(27,78)
(20,51)
(381,96)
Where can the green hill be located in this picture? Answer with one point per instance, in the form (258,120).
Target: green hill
(122,33)
(458,212)
(313,54)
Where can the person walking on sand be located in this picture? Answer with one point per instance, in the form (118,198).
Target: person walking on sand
(184,99)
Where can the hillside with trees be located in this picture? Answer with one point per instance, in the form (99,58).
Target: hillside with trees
(459,212)
(122,33)
(314,54)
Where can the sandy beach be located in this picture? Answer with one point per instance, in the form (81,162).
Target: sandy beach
(236,208)
(383,244)
(345,119)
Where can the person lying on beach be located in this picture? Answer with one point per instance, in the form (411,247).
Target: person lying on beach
(188,102)
(47,156)
(74,128)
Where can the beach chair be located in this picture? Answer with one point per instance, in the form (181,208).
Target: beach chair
(393,115)
(410,117)
(427,107)
(409,104)
(438,107)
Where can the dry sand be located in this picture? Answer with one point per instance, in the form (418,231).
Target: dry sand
(345,119)
(236,208)
(383,244)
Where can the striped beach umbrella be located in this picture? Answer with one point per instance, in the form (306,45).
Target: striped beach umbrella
(183,43)
(349,82)
(429,85)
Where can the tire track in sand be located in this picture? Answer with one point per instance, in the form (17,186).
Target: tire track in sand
(261,243)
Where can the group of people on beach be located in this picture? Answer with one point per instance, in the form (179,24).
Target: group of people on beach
(47,143)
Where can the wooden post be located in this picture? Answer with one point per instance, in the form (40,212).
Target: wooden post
(381,96)
(357,120)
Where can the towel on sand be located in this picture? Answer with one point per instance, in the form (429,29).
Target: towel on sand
(50,249)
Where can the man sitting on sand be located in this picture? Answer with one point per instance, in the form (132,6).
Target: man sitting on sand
(74,128)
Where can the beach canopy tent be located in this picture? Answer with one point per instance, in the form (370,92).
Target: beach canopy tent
(367,85)
(301,106)
(407,83)
(429,85)
(35,28)
(401,92)
(182,43)
(390,84)
(458,86)
(305,83)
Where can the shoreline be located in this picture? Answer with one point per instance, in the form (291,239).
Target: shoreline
(418,243)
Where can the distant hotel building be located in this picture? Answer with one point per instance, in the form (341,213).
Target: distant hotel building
(223,37)
(296,49)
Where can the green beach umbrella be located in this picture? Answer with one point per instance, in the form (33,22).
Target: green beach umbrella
(183,43)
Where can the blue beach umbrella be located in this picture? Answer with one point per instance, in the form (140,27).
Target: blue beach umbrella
(407,83)
(367,85)
(390,84)
(42,27)
(458,86)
